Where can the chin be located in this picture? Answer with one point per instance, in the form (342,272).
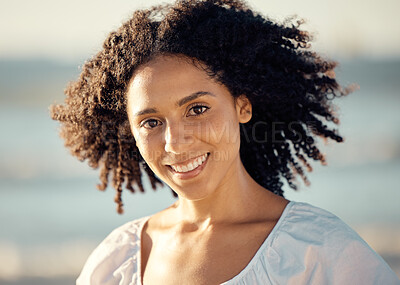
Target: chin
(192,194)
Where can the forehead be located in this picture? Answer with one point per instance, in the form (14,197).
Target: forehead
(166,70)
(166,78)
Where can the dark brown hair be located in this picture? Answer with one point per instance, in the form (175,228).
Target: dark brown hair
(289,86)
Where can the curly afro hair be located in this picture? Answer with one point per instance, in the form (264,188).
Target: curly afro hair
(290,88)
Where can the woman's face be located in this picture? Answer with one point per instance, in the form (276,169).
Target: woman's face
(186,125)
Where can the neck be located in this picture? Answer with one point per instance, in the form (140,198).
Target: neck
(233,200)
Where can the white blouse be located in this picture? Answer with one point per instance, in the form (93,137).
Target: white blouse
(308,245)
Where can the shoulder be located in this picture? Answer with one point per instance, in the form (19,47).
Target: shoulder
(314,225)
(115,257)
(313,243)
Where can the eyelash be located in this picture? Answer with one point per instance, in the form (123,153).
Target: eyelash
(190,108)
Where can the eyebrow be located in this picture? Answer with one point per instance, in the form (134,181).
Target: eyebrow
(181,102)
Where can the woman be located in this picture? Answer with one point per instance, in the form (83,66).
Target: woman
(219,103)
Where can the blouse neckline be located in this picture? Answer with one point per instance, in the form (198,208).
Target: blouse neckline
(248,267)
(262,247)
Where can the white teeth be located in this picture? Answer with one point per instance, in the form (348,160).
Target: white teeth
(190,166)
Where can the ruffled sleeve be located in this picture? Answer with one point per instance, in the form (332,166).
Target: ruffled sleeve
(116,259)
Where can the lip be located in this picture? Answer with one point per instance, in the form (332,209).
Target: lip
(190,174)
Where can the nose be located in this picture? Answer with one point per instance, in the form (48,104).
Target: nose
(178,138)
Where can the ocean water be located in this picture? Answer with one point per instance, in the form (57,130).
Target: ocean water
(52,216)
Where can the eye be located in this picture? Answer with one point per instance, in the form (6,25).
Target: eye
(197,110)
(150,124)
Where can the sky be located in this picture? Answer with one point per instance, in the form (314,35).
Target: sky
(74,30)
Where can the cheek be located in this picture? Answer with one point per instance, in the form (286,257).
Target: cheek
(223,134)
(221,130)
(148,147)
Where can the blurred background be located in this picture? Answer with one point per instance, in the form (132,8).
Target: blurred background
(52,216)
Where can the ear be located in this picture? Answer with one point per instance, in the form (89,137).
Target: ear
(243,109)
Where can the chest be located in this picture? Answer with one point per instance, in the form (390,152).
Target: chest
(210,258)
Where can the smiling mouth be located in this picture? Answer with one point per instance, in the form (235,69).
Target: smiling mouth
(192,165)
